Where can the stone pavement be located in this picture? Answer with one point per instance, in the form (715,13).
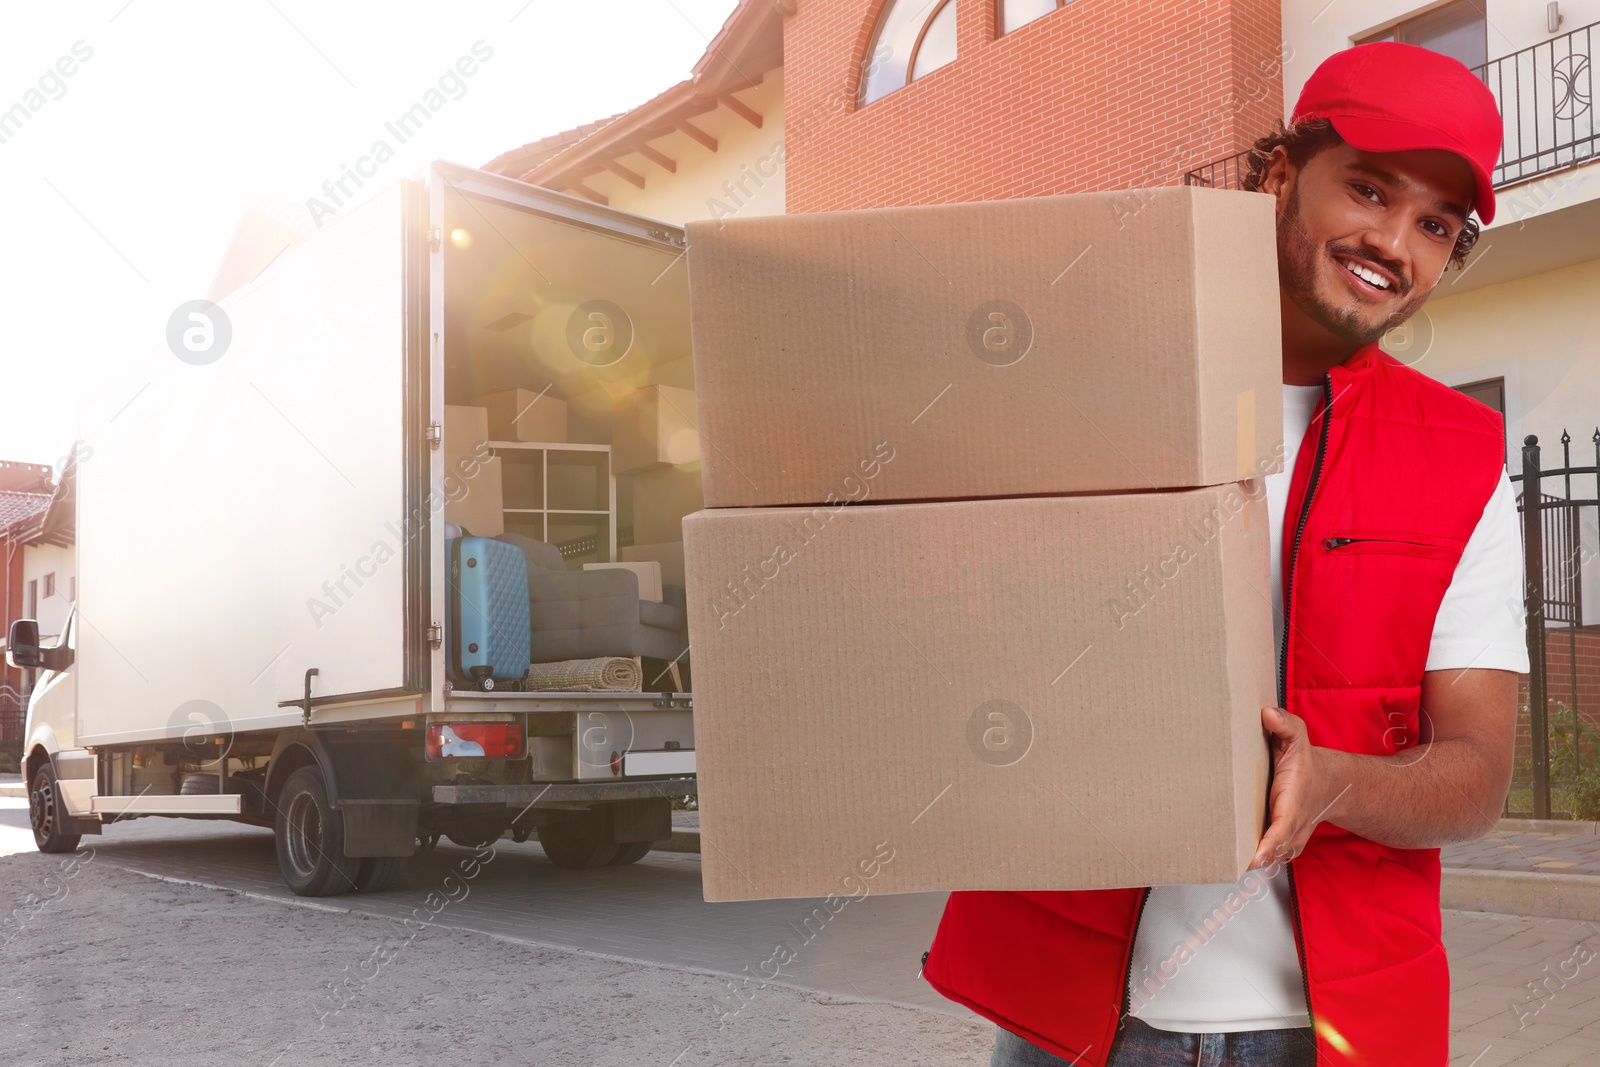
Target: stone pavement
(1565,853)
(1525,990)
(651,911)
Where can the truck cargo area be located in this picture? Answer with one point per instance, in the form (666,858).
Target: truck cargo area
(463,371)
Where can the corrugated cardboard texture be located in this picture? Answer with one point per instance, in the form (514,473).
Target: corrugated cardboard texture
(1032,693)
(474,492)
(1048,345)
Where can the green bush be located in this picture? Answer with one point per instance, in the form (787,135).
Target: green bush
(1583,797)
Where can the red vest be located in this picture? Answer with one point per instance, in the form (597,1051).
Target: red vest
(1397,476)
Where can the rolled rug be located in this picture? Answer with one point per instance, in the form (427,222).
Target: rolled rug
(615,674)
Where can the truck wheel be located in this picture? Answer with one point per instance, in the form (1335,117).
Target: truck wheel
(310,838)
(378,873)
(575,844)
(48,816)
(632,852)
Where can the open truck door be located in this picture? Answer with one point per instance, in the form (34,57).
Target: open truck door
(558,297)
(265,603)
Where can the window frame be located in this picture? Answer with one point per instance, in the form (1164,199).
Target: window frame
(881,20)
(916,49)
(1000,18)
(1396,30)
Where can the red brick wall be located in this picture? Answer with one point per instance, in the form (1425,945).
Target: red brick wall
(1100,94)
(1559,658)
(11,708)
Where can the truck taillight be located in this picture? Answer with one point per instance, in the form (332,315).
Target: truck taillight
(481,740)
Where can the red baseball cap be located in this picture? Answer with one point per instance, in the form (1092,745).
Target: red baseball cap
(1393,97)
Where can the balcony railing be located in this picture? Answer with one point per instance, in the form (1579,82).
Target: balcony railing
(1546,98)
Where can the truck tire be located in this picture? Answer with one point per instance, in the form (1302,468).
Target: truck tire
(632,852)
(46,814)
(310,838)
(576,844)
(377,873)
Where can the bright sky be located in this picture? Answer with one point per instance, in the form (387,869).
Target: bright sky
(120,190)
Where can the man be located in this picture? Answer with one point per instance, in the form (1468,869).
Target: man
(1396,569)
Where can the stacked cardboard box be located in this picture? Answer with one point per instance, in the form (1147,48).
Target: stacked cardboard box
(980,596)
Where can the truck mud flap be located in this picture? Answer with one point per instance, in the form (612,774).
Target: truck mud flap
(379,827)
(644,819)
(371,781)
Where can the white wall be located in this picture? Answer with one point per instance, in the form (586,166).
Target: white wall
(1542,334)
(744,176)
(39,560)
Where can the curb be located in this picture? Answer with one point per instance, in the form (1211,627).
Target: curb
(13,789)
(1547,826)
(684,839)
(1551,896)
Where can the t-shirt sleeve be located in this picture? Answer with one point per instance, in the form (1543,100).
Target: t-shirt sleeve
(1482,621)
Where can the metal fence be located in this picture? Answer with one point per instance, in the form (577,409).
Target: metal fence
(1553,556)
(13,714)
(1546,98)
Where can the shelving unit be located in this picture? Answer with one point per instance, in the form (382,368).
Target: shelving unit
(560,492)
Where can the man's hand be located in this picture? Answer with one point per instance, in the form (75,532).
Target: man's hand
(1301,789)
(1447,783)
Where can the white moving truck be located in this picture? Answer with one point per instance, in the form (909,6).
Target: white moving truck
(263,624)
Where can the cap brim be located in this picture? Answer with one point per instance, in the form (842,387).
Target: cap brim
(1388,135)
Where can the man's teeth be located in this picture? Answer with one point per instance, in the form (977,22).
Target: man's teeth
(1371,277)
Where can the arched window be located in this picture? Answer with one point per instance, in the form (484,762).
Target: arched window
(1015,13)
(913,38)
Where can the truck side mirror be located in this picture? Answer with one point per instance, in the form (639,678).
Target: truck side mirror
(22,648)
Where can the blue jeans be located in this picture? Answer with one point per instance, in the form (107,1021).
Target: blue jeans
(1141,1045)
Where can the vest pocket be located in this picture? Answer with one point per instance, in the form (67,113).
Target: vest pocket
(1391,543)
(1402,892)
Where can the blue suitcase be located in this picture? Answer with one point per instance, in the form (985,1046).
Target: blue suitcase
(490,638)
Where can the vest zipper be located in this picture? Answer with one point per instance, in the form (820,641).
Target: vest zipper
(1331,543)
(1294,545)
(1283,675)
(1127,964)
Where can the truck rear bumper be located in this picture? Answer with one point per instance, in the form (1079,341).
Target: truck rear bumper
(556,795)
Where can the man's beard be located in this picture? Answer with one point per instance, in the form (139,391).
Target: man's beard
(1297,269)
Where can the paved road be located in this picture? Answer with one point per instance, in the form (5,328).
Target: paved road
(652,912)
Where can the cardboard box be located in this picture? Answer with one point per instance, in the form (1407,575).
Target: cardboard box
(656,428)
(474,494)
(1032,693)
(661,497)
(1097,342)
(649,576)
(525,415)
(667,553)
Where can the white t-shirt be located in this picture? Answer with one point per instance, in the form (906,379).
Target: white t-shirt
(1243,972)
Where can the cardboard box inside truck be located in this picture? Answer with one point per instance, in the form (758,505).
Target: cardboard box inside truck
(525,415)
(1027,693)
(1092,342)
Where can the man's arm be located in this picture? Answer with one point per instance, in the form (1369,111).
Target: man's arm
(1450,787)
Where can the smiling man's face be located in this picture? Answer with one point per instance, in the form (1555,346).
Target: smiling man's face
(1363,238)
